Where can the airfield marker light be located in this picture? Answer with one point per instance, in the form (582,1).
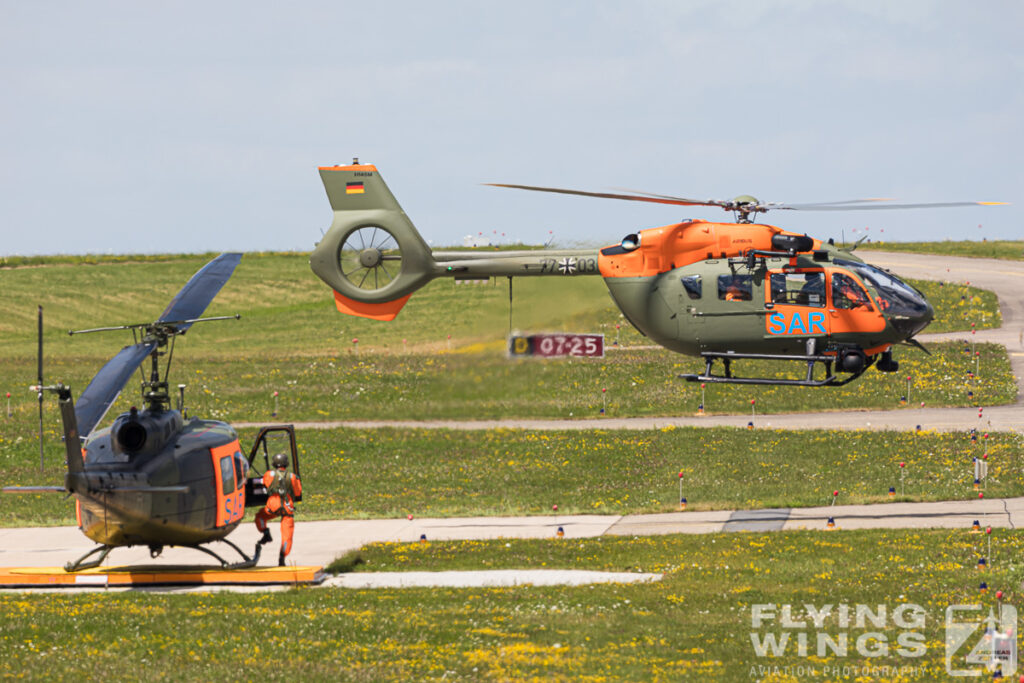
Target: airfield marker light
(892,491)
(682,504)
(908,388)
(999,595)
(449,342)
(554,508)
(981,494)
(409,517)
(976,527)
(355,344)
(977,484)
(750,425)
(274,414)
(682,501)
(617,327)
(988,534)
(9,413)
(835,494)
(918,428)
(423,538)
(560,533)
(903,400)
(982,564)
(922,404)
(604,399)
(700,408)
(903,471)
(983,587)
(830,525)
(753,407)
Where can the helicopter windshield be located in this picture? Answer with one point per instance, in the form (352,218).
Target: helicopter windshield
(895,297)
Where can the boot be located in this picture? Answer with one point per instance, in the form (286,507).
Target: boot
(266,537)
(280,559)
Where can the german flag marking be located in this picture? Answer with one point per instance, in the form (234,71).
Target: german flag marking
(354,188)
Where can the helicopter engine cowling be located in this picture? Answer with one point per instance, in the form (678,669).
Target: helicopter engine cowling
(134,433)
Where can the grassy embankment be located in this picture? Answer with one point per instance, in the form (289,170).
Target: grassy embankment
(999,249)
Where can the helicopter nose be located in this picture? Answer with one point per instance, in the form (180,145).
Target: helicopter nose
(913,318)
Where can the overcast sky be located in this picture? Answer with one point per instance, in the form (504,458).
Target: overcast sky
(132,127)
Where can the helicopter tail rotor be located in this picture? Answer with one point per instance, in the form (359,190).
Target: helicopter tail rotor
(372,256)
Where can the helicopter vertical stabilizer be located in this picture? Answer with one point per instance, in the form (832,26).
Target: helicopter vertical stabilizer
(372,256)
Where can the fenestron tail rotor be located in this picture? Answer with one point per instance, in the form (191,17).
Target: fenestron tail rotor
(370,258)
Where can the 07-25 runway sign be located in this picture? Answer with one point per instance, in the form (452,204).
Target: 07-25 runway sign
(556,345)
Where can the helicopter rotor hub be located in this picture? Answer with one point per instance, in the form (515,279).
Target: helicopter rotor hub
(370,258)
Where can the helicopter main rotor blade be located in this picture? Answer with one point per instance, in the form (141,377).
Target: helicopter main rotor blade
(848,206)
(200,290)
(103,390)
(655,199)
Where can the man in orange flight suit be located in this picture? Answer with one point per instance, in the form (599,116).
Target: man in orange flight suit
(282,488)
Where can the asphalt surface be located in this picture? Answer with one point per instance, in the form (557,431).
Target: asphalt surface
(318,543)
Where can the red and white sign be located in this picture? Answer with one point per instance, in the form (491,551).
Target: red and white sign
(558,345)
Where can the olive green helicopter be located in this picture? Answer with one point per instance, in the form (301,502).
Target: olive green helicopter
(718,291)
(158,477)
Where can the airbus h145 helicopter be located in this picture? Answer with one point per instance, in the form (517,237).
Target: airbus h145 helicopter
(156,477)
(721,291)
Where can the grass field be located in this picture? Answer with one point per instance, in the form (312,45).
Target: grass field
(291,341)
(377,473)
(1000,249)
(697,623)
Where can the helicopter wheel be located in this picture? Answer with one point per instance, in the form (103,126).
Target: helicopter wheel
(370,258)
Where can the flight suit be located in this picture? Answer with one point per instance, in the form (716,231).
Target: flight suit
(282,487)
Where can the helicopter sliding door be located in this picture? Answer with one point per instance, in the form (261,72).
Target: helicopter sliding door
(851,309)
(796,301)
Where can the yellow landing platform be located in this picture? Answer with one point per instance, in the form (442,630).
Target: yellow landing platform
(56,577)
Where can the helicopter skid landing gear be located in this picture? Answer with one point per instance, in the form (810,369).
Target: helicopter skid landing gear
(857,364)
(80,563)
(246,562)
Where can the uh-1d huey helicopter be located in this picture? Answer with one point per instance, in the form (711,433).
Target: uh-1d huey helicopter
(721,291)
(157,477)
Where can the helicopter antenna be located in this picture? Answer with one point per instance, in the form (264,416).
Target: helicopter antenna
(39,384)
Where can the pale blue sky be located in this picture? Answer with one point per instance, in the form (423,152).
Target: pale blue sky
(198,126)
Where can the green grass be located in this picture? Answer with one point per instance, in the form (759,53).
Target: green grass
(1000,249)
(389,473)
(694,624)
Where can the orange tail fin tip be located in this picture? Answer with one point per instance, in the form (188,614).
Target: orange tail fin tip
(385,311)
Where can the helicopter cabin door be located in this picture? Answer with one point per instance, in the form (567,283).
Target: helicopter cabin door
(795,305)
(851,309)
(229,468)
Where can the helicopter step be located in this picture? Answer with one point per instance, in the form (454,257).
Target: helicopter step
(851,359)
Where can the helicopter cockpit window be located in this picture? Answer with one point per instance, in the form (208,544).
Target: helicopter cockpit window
(692,285)
(734,287)
(227,476)
(847,293)
(894,296)
(802,289)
